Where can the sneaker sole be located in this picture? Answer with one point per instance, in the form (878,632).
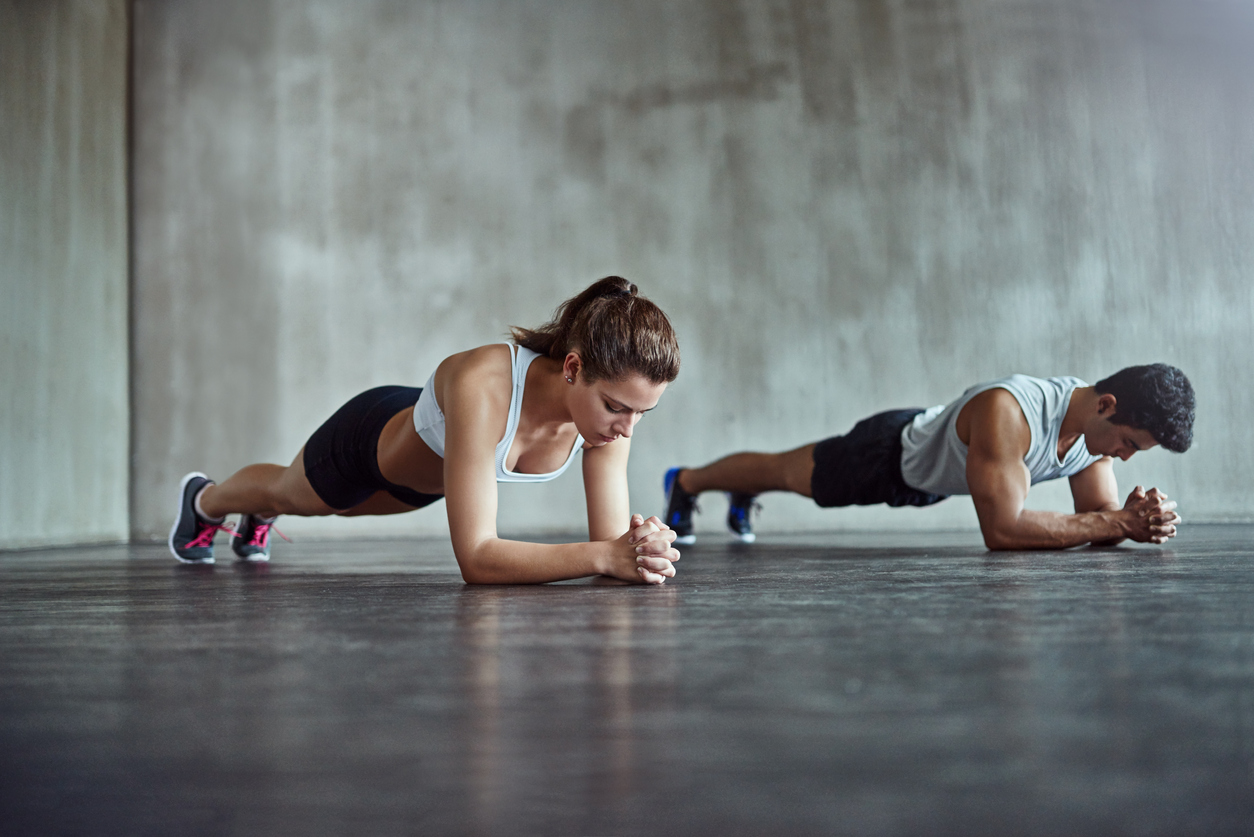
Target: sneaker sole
(251,559)
(178,516)
(686,539)
(749,538)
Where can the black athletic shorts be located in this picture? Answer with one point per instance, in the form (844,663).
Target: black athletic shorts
(863,467)
(342,456)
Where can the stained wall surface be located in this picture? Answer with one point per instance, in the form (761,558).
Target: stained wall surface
(844,206)
(64,404)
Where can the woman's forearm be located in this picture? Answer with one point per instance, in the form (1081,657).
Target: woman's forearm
(500,561)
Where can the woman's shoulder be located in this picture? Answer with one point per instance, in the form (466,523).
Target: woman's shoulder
(485,369)
(489,358)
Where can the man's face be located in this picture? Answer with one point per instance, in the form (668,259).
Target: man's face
(1105,438)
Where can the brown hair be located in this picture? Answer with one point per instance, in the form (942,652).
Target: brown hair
(615,331)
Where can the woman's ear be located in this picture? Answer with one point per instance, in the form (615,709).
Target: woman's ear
(571,367)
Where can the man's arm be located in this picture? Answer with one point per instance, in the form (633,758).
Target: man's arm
(1095,489)
(999,438)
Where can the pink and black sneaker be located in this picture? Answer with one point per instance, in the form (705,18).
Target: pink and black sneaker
(191,537)
(251,538)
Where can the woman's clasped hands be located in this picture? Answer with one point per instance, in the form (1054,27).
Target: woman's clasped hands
(644,552)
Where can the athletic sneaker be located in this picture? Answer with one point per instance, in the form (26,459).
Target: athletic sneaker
(191,536)
(739,509)
(251,538)
(679,507)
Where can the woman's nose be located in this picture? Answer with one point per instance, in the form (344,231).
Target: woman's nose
(624,428)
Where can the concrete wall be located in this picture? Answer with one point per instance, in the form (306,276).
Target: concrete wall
(845,206)
(64,435)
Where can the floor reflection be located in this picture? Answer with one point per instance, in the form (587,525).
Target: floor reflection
(595,665)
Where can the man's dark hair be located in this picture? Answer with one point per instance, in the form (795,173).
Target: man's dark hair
(1157,398)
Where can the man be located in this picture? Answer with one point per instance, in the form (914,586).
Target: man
(994,443)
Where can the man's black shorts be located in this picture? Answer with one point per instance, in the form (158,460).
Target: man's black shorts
(863,467)
(342,456)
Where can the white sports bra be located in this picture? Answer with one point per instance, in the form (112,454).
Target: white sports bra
(429,421)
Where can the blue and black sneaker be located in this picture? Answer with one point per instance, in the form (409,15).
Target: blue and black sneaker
(739,509)
(679,507)
(191,536)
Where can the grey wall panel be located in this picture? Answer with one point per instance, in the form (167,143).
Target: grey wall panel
(844,206)
(64,437)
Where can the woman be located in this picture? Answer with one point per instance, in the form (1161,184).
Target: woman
(588,376)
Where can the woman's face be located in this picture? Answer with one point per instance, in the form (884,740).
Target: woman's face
(604,411)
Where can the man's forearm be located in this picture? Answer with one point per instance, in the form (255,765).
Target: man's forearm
(1051,530)
(1109,541)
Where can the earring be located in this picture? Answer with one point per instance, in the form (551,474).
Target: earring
(570,380)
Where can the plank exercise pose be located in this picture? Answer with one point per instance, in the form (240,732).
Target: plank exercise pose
(506,412)
(994,443)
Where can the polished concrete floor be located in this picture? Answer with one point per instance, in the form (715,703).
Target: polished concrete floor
(893,684)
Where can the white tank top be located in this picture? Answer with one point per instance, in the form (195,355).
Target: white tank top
(934,459)
(429,421)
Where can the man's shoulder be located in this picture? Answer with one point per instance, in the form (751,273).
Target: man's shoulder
(996,402)
(1023,380)
(1033,382)
(995,414)
(1032,394)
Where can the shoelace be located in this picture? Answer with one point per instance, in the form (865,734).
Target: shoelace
(204,537)
(261,535)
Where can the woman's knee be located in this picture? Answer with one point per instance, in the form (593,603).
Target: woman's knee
(376,504)
(293,494)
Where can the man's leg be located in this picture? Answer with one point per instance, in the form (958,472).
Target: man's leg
(753,473)
(742,476)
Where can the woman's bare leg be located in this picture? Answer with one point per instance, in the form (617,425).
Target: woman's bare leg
(753,473)
(265,490)
(378,503)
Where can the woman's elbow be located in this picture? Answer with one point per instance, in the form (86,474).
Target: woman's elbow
(474,569)
(470,573)
(478,572)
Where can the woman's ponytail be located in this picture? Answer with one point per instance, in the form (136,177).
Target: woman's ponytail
(615,331)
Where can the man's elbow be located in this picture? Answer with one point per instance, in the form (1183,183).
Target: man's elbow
(996,538)
(996,542)
(1003,528)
